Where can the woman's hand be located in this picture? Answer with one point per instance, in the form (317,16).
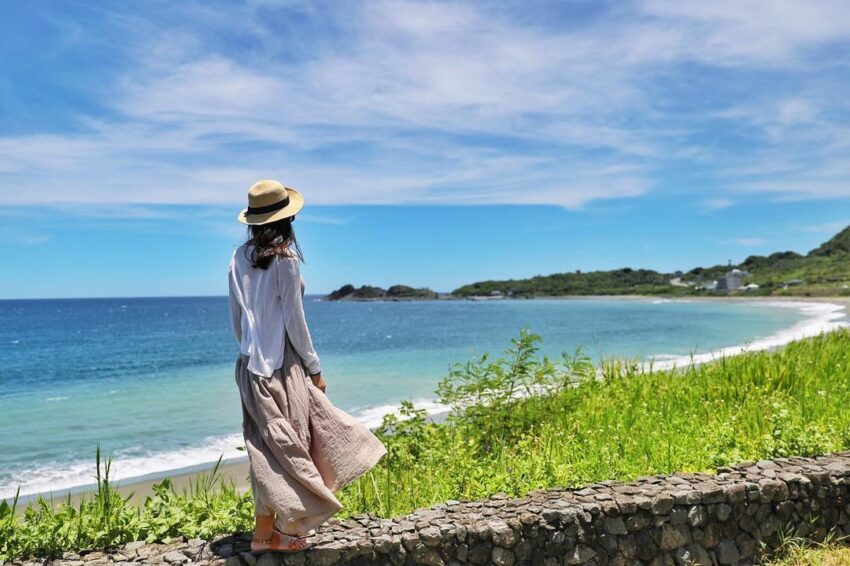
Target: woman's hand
(318,381)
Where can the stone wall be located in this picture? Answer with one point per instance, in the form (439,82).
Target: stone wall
(724,519)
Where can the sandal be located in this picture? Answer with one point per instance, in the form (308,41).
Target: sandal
(274,541)
(279,542)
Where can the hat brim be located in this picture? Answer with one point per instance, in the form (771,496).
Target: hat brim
(296,203)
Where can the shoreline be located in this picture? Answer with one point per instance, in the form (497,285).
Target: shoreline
(824,315)
(737,297)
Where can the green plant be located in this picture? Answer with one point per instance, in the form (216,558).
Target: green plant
(533,424)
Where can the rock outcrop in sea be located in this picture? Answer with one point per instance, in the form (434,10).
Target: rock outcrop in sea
(394,293)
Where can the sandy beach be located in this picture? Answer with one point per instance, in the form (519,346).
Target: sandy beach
(234,470)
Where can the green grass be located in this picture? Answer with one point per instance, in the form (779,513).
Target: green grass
(105,519)
(795,552)
(624,425)
(617,423)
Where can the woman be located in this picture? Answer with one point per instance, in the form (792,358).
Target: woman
(301,448)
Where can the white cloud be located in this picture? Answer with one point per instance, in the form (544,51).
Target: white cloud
(826,228)
(426,102)
(710,205)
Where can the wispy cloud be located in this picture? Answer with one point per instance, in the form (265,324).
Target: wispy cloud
(324,219)
(432,102)
(826,227)
(751,242)
(712,204)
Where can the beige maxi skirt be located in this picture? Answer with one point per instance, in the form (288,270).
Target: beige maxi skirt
(301,448)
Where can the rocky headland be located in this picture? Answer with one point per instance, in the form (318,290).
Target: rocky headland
(371,293)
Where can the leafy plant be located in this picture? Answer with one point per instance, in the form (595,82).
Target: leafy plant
(519,422)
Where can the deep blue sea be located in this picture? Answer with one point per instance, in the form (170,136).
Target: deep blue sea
(151,380)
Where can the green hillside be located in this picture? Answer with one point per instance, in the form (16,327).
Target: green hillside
(824,271)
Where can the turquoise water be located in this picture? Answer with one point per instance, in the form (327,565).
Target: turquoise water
(151,379)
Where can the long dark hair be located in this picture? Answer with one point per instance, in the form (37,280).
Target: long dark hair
(273,239)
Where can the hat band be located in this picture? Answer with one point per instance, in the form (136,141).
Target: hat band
(270,208)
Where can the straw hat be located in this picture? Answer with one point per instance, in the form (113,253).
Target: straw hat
(268,201)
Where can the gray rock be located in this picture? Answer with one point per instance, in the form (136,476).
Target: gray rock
(679,516)
(502,556)
(636,522)
(226,550)
(268,559)
(431,536)
(727,553)
(409,540)
(479,553)
(175,557)
(581,553)
(503,535)
(615,526)
(462,552)
(383,543)
(234,561)
(427,556)
(326,554)
(697,516)
(249,558)
(674,536)
(662,560)
(662,504)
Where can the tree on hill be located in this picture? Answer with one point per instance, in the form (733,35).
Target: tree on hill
(838,244)
(824,270)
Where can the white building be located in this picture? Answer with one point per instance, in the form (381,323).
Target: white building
(732,281)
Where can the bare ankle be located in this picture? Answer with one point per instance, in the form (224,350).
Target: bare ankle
(263,526)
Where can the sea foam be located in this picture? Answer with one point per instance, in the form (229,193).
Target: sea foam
(820,318)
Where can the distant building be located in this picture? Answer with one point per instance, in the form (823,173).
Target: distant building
(792,283)
(732,281)
(735,279)
(750,287)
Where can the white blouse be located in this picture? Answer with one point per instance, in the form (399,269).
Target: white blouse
(265,306)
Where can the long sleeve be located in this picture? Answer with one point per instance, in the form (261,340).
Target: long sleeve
(289,286)
(235,308)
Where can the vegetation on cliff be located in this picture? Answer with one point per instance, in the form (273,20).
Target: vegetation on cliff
(520,422)
(823,271)
(367,292)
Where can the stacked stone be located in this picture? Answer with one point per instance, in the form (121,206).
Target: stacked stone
(711,520)
(724,519)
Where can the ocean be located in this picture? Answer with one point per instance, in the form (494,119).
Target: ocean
(151,379)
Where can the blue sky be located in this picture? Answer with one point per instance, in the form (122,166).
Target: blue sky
(435,143)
